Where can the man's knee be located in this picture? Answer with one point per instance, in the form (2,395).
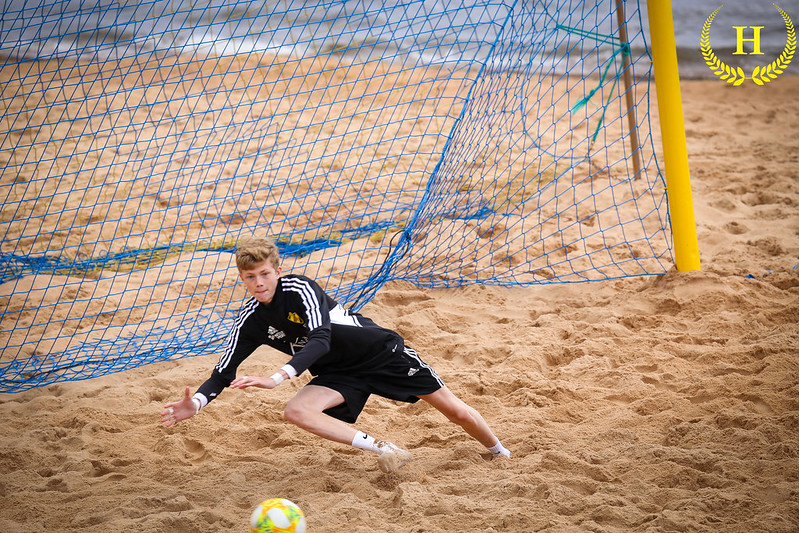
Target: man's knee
(306,407)
(295,413)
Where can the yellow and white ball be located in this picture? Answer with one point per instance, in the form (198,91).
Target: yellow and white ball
(277,515)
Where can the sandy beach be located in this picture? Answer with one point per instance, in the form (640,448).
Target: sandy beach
(651,404)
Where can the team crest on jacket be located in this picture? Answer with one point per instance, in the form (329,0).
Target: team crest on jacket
(294,317)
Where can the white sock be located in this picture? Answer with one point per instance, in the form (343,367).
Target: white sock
(499,449)
(362,441)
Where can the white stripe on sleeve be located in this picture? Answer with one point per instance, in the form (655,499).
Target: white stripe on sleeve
(246,311)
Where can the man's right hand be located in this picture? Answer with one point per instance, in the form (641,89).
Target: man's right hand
(176,411)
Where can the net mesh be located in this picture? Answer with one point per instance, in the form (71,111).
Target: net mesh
(440,142)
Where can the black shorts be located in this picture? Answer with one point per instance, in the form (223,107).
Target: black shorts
(404,377)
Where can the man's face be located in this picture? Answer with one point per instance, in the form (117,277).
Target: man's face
(261,281)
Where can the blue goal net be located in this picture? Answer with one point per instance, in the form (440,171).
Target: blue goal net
(441,142)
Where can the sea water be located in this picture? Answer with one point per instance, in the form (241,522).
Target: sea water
(122,28)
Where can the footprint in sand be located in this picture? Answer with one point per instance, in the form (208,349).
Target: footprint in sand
(735,228)
(195,450)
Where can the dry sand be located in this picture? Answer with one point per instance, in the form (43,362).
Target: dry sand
(648,404)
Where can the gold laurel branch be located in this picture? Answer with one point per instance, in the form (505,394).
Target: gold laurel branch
(763,75)
(734,75)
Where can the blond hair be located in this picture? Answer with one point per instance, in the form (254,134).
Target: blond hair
(255,250)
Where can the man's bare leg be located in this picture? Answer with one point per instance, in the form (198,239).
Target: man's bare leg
(306,411)
(467,417)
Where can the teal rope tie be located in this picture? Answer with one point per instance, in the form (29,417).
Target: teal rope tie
(621,48)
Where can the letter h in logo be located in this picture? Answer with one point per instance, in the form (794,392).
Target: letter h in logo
(739,32)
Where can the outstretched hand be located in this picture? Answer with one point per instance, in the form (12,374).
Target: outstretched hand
(253,381)
(176,411)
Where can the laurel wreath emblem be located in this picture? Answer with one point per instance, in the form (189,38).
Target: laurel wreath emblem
(761,74)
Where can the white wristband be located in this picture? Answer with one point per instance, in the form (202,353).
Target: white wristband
(289,370)
(278,378)
(197,404)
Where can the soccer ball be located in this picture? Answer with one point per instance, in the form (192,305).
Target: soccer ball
(277,516)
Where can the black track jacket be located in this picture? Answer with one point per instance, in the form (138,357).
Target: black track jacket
(307,324)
